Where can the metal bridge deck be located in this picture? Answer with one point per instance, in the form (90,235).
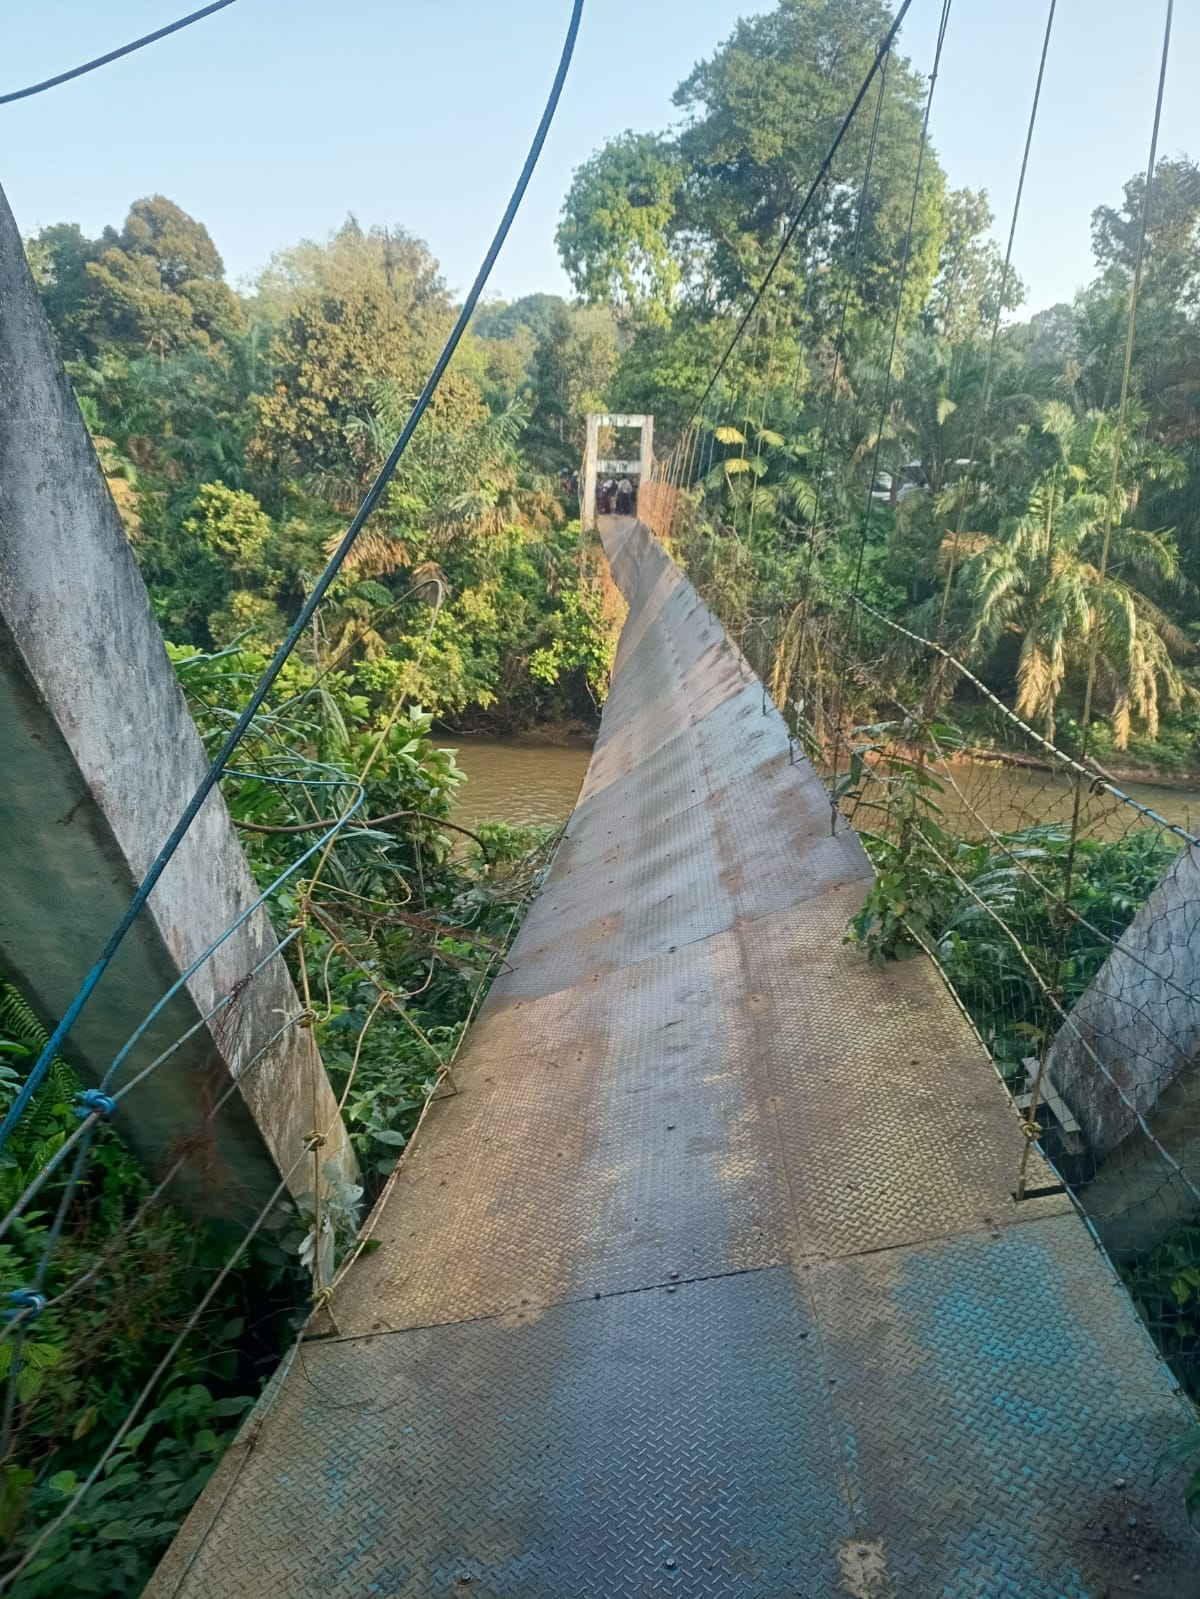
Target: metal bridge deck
(709,1282)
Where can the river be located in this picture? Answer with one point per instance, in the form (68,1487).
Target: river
(518,780)
(531,780)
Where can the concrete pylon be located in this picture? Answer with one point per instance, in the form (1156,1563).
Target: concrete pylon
(1130,1054)
(612,468)
(100,757)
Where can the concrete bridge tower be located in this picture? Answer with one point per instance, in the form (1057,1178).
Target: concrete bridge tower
(612,466)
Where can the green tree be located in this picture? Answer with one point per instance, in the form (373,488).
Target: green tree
(1040,580)
(618,221)
(366,307)
(971,284)
(696,218)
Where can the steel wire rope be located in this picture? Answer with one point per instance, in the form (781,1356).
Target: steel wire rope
(114,55)
(86,1133)
(1097,779)
(93,1116)
(158,1373)
(1109,518)
(985,390)
(1047,988)
(889,372)
(1004,843)
(81,1138)
(495,954)
(366,1232)
(827,162)
(1066,1020)
(312,1142)
(113,1244)
(323,583)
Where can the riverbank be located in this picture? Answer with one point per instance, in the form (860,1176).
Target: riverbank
(1159,777)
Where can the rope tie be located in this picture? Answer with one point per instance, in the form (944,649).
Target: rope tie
(323,1298)
(314,1139)
(1031,1131)
(94,1102)
(27,1304)
(307,1018)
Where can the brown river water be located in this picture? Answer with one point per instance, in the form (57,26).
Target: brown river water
(518,780)
(530,780)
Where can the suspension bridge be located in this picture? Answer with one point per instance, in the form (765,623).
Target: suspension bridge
(709,1279)
(724,1263)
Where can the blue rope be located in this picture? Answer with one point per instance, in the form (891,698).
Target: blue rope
(300,625)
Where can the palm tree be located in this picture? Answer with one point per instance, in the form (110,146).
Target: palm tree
(1041,579)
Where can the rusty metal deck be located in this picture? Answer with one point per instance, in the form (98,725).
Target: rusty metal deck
(709,1282)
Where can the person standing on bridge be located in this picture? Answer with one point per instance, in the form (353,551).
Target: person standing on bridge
(624,497)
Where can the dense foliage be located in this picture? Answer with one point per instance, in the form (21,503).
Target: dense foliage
(238,434)
(994,525)
(398,934)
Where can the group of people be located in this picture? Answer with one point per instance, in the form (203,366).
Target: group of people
(620,498)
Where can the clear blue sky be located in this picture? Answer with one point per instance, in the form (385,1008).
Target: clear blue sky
(273,119)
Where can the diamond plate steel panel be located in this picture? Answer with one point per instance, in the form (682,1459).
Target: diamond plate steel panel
(601,1139)
(1001,1412)
(896,1127)
(634,1447)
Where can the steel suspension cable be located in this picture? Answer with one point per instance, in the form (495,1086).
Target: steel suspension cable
(299,626)
(1113,493)
(822,171)
(986,390)
(114,55)
(888,373)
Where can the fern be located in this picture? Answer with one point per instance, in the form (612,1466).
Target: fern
(20,1025)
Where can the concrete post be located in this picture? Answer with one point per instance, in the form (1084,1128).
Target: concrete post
(100,757)
(1141,1020)
(587,502)
(647,450)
